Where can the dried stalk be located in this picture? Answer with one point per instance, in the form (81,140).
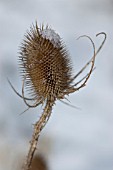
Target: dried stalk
(39,125)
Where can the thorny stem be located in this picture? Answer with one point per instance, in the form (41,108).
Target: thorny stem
(39,125)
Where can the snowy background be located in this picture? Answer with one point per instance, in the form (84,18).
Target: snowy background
(73,139)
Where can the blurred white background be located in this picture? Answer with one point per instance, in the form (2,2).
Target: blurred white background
(73,139)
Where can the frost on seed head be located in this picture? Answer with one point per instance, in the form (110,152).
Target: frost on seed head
(52,36)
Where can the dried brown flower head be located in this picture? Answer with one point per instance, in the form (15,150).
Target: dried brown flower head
(46,64)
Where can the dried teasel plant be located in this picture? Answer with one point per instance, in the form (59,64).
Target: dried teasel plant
(47,74)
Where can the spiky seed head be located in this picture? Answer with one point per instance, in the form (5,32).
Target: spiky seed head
(45,62)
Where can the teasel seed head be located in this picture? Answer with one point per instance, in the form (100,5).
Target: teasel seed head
(46,67)
(45,63)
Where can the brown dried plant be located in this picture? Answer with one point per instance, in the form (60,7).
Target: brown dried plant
(47,74)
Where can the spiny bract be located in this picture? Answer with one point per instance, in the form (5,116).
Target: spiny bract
(45,62)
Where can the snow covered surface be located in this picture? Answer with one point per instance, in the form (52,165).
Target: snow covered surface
(52,36)
(73,139)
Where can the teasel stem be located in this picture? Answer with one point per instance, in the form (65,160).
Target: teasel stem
(38,126)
